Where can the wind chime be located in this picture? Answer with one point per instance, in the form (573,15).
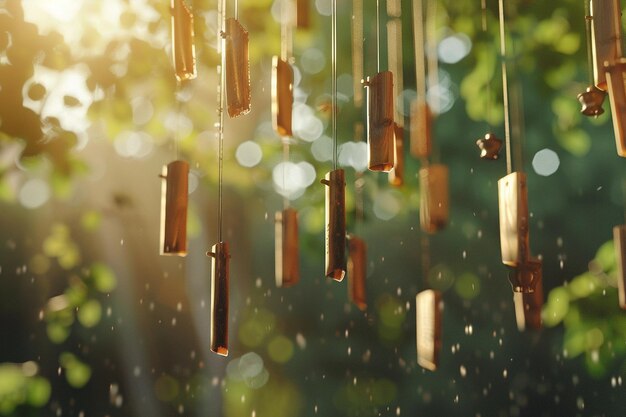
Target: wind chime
(433,186)
(609,65)
(592,98)
(357,247)
(525,276)
(380,113)
(287,264)
(234,87)
(175,175)
(394,63)
(335,182)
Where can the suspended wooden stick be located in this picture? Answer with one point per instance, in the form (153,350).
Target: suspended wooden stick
(606,36)
(434,199)
(220,283)
(335,183)
(513,209)
(617,95)
(428,328)
(183,49)
(619,239)
(528,307)
(421,129)
(380,116)
(174,197)
(237,69)
(282,96)
(303,14)
(396,175)
(357,272)
(286,251)
(357,51)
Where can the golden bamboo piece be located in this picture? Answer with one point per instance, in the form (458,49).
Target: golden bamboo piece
(335,183)
(619,239)
(528,307)
(513,209)
(357,272)
(174,199)
(303,14)
(617,96)
(428,328)
(183,49)
(220,283)
(287,256)
(606,37)
(237,69)
(421,129)
(396,175)
(282,96)
(434,199)
(380,118)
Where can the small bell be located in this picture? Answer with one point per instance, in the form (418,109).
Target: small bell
(174,200)
(591,101)
(489,147)
(287,259)
(619,240)
(220,283)
(380,121)
(428,328)
(282,96)
(528,308)
(237,69)
(357,272)
(513,212)
(335,183)
(525,276)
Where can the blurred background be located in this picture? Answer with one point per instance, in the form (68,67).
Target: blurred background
(93,322)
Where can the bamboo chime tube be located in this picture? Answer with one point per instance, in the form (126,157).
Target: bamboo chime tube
(282,96)
(394,57)
(434,199)
(420,116)
(335,224)
(619,239)
(396,175)
(380,121)
(606,37)
(237,69)
(616,84)
(183,49)
(174,199)
(303,14)
(357,272)
(220,283)
(528,308)
(513,210)
(428,328)
(357,51)
(286,250)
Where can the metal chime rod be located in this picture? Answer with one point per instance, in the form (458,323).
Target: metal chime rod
(333,77)
(505,90)
(221,41)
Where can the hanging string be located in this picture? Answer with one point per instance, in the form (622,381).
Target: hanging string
(588,19)
(333,77)
(220,108)
(377,35)
(505,89)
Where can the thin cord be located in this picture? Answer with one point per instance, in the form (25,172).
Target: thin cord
(588,19)
(333,77)
(505,90)
(377,35)
(220,109)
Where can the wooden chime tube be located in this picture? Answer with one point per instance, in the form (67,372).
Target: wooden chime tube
(286,251)
(357,272)
(528,308)
(606,36)
(220,282)
(357,51)
(335,183)
(395,64)
(183,49)
(303,14)
(282,96)
(396,175)
(174,199)
(428,328)
(380,118)
(421,129)
(237,69)
(617,95)
(619,238)
(513,210)
(434,199)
